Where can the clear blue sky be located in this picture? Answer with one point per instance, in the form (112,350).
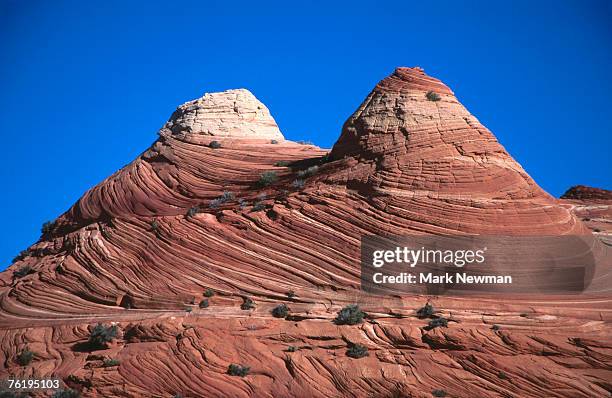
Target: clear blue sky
(85,85)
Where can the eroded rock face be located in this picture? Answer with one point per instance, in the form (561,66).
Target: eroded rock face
(186,216)
(582,192)
(231,113)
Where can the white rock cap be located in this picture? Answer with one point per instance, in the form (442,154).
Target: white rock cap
(231,113)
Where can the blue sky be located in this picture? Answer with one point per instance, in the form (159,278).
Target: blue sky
(86,85)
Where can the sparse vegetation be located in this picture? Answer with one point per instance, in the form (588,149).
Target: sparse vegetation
(25,357)
(247,304)
(101,335)
(502,375)
(224,198)
(495,327)
(193,211)
(242,203)
(267,178)
(272,214)
(154,226)
(350,315)
(238,370)
(439,393)
(312,170)
(214,144)
(432,96)
(23,271)
(273,141)
(209,292)
(22,254)
(290,294)
(66,393)
(438,322)
(280,311)
(357,351)
(258,206)
(204,303)
(292,348)
(111,362)
(47,227)
(298,183)
(188,309)
(426,311)
(282,163)
(302,142)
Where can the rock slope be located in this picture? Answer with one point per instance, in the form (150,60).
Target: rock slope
(221,201)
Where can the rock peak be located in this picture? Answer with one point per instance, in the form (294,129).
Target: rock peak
(232,113)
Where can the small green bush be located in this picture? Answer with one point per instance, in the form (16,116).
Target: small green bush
(280,311)
(267,178)
(66,393)
(224,198)
(273,141)
(247,304)
(432,96)
(312,170)
(258,206)
(439,393)
(282,163)
(438,322)
(154,226)
(214,144)
(238,370)
(25,357)
(193,211)
(357,351)
(23,271)
(303,142)
(502,375)
(204,303)
(292,348)
(209,293)
(108,363)
(47,227)
(495,327)
(350,315)
(101,335)
(426,311)
(298,183)
(188,309)
(22,254)
(290,294)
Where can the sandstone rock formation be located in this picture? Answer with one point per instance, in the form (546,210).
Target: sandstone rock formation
(141,248)
(594,207)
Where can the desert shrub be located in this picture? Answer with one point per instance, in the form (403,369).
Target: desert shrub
(66,393)
(495,327)
(224,198)
(290,294)
(242,203)
(273,141)
(47,227)
(432,96)
(502,375)
(312,170)
(438,322)
(101,335)
(154,226)
(25,357)
(282,163)
(238,370)
(214,144)
(258,206)
(22,254)
(292,348)
(439,393)
(303,142)
(111,362)
(298,183)
(350,315)
(267,178)
(193,211)
(209,292)
(272,214)
(357,351)
(280,311)
(426,311)
(247,304)
(23,271)
(204,303)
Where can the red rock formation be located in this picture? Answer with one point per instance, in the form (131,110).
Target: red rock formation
(187,215)
(594,207)
(581,192)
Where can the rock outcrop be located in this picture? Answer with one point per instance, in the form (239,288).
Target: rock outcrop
(582,192)
(262,218)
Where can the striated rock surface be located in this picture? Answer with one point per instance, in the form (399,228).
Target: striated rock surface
(581,192)
(142,247)
(594,207)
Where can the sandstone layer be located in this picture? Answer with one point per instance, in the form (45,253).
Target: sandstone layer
(140,249)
